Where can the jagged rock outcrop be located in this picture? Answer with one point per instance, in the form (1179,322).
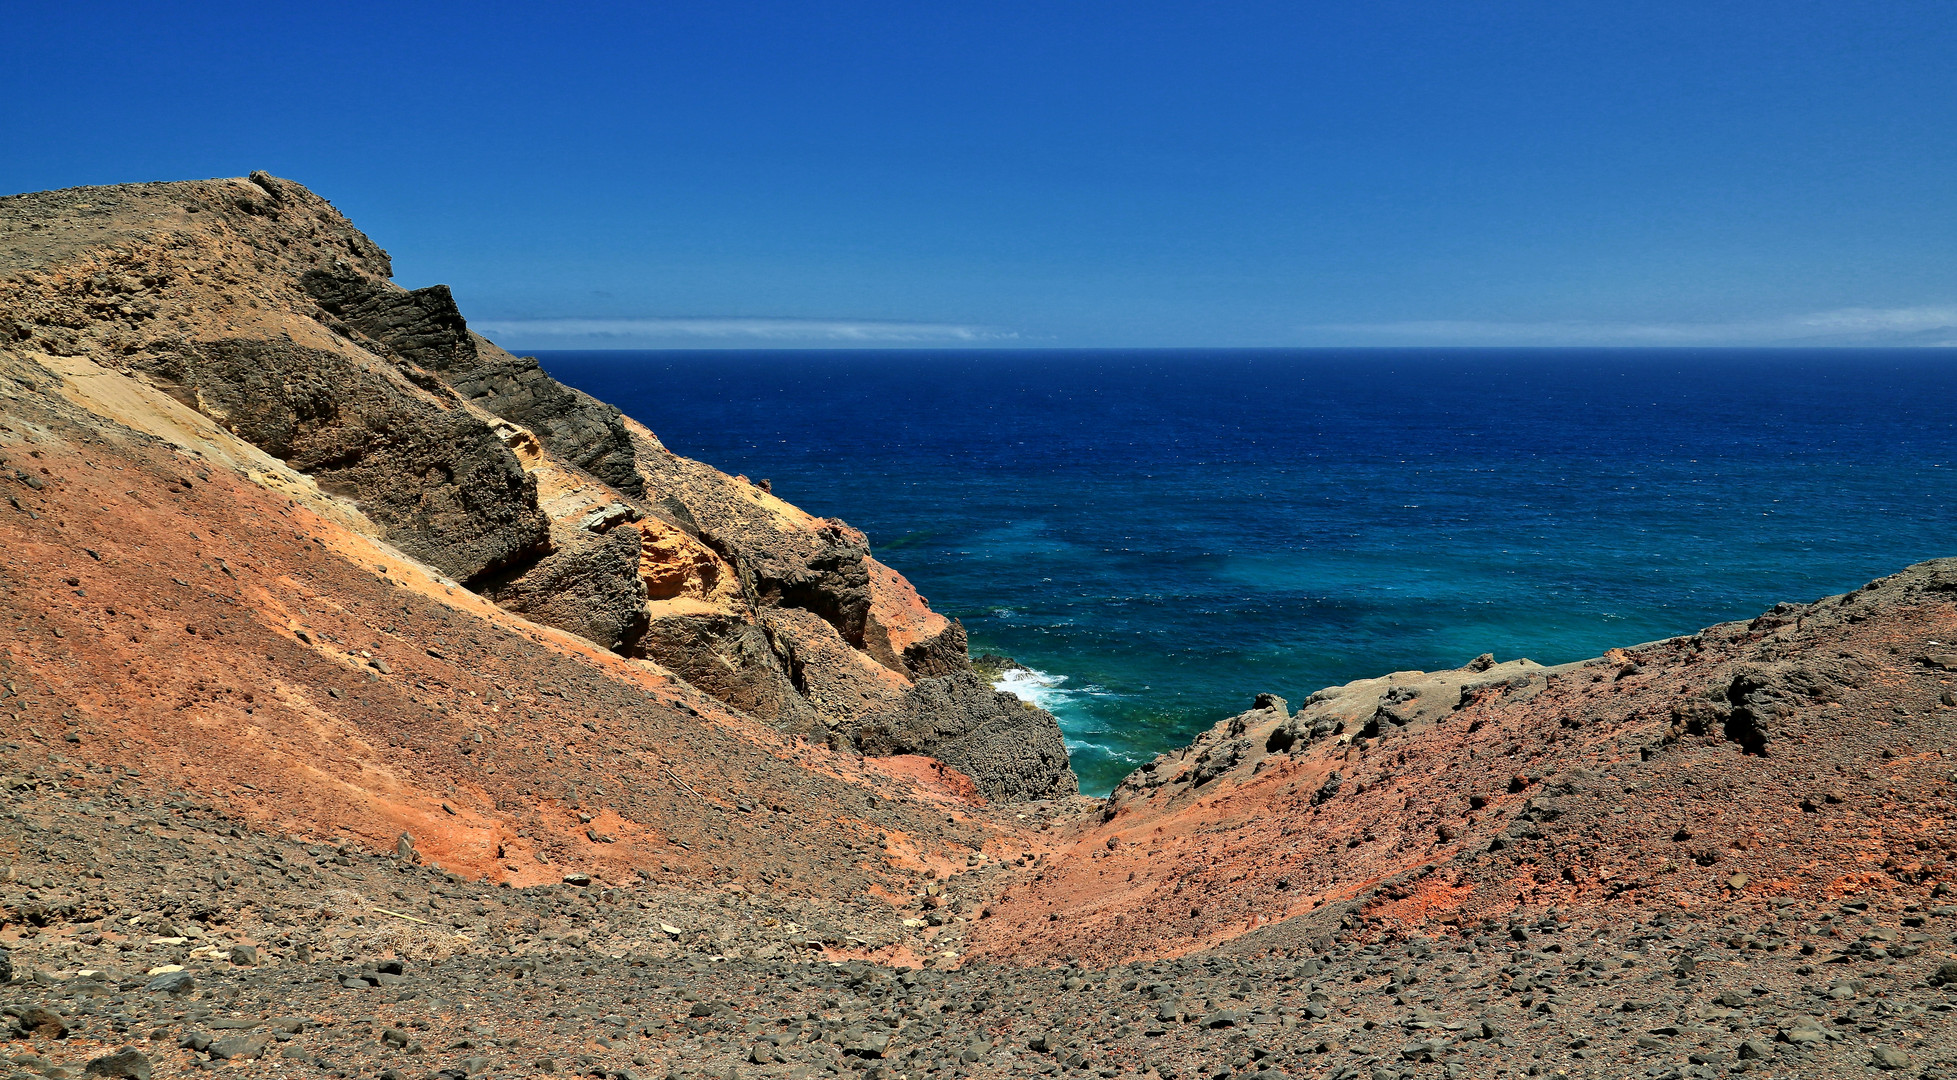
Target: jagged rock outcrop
(989,735)
(436,478)
(1366,712)
(590,587)
(426,330)
(247,319)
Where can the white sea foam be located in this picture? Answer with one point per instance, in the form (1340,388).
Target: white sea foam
(1035,687)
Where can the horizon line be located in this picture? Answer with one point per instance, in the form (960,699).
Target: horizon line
(1476,347)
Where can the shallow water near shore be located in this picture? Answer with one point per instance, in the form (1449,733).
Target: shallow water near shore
(1161,535)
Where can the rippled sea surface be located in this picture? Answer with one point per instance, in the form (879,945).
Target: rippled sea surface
(1161,535)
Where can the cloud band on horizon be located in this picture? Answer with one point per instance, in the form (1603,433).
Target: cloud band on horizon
(633,332)
(1905,327)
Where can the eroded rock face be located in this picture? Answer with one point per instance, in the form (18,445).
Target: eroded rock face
(424,328)
(732,658)
(590,587)
(785,557)
(1010,749)
(842,683)
(436,477)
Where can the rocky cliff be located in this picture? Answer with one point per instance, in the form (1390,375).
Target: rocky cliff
(256,306)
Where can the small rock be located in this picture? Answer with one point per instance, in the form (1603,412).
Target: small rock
(578,881)
(394,1037)
(126,1062)
(1223,1018)
(870,1044)
(174,983)
(1888,1057)
(44,1023)
(244,955)
(1329,788)
(1945,975)
(241,1047)
(1754,1050)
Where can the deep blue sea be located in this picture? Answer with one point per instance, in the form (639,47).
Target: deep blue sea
(1164,534)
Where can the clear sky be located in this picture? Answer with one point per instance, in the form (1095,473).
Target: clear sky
(1063,174)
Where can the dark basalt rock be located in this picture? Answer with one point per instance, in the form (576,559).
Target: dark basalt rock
(439,480)
(590,587)
(1011,750)
(424,328)
(733,660)
(832,582)
(942,654)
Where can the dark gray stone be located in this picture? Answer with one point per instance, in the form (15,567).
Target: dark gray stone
(590,586)
(126,1062)
(241,1047)
(436,478)
(1010,749)
(177,983)
(40,1022)
(424,328)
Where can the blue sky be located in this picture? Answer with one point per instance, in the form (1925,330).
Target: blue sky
(1064,174)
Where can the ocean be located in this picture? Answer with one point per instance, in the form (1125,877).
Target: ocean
(1161,535)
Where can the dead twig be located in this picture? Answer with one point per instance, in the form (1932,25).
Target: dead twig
(689,787)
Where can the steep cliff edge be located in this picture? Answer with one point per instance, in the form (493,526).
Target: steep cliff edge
(247,321)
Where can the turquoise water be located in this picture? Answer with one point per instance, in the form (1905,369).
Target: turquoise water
(1163,535)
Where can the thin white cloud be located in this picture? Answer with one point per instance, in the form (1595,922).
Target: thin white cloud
(1916,326)
(621,333)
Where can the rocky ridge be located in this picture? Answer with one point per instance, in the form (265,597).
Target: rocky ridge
(256,306)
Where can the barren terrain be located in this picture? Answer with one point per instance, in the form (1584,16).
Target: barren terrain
(373,705)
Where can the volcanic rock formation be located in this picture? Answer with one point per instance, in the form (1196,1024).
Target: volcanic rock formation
(258,307)
(372,704)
